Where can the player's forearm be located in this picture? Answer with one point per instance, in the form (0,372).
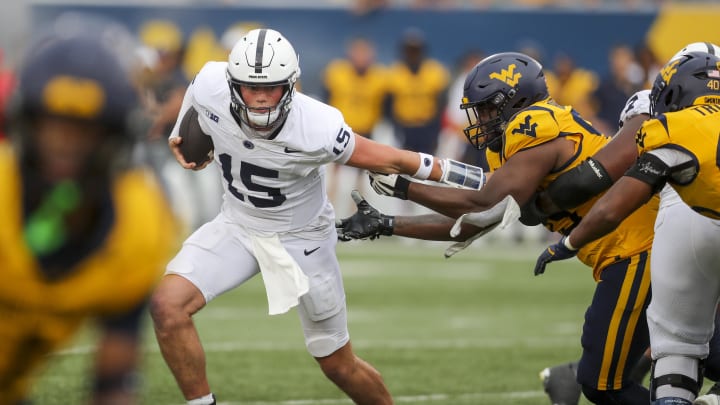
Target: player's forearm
(621,152)
(418,165)
(626,196)
(597,224)
(382,158)
(430,227)
(448,201)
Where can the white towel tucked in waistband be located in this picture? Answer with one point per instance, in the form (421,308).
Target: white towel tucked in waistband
(284,280)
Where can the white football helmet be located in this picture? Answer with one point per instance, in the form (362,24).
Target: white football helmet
(707,47)
(263,57)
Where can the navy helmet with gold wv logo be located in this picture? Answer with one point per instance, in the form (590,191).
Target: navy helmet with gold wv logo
(74,85)
(76,77)
(496,89)
(693,78)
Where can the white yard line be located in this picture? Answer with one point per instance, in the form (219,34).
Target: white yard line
(489,343)
(412,399)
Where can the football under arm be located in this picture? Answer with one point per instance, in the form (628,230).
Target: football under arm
(187,102)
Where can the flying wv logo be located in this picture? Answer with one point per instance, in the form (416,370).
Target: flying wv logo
(507,76)
(669,70)
(640,138)
(526,128)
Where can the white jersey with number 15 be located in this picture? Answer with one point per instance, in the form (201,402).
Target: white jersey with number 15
(278,184)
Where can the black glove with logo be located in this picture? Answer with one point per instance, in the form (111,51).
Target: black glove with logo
(366,223)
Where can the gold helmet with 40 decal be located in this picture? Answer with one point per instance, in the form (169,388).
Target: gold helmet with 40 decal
(262,58)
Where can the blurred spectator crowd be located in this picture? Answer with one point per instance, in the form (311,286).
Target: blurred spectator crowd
(366,5)
(412,102)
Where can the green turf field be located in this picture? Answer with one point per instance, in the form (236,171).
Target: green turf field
(473,329)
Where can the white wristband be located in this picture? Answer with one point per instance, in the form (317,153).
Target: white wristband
(426,165)
(567,244)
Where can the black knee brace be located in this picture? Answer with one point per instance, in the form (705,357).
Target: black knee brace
(676,380)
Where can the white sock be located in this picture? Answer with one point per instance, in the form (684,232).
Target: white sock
(206,400)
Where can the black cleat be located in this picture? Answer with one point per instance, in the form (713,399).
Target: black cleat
(561,385)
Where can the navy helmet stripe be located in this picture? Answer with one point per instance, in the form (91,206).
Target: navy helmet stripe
(711,49)
(259,51)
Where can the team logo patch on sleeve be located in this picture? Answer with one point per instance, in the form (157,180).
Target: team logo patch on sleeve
(526,128)
(640,138)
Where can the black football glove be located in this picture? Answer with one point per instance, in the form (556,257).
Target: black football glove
(531,214)
(391,185)
(366,223)
(558,251)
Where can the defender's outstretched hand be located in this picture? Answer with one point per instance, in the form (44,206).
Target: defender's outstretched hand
(392,185)
(559,251)
(366,223)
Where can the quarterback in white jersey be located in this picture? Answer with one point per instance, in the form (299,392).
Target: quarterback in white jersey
(277,184)
(271,144)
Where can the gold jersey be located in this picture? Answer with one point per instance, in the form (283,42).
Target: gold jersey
(416,94)
(695,131)
(358,96)
(114,277)
(39,315)
(545,121)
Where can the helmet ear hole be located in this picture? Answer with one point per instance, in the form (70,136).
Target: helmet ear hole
(668,100)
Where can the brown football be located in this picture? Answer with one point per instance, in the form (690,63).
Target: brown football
(196,145)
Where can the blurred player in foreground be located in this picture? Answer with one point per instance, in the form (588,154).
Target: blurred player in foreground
(272,145)
(530,140)
(678,146)
(84,235)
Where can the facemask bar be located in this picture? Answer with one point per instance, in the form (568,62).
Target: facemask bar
(260,119)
